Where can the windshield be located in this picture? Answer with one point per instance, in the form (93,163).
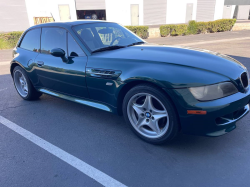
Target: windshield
(105,35)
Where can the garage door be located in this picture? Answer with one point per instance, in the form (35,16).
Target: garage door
(205,10)
(154,12)
(243,12)
(90,4)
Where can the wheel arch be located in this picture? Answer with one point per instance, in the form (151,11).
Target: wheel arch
(12,67)
(15,64)
(124,90)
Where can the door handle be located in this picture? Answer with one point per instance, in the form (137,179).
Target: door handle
(40,63)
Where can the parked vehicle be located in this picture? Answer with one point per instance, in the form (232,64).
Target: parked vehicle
(160,90)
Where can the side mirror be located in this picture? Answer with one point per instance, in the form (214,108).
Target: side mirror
(57,52)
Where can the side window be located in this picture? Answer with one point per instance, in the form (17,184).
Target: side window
(53,38)
(73,48)
(31,40)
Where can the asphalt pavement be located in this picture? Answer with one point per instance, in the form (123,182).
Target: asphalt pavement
(54,142)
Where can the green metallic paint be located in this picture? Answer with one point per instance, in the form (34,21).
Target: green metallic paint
(205,124)
(67,78)
(172,69)
(81,101)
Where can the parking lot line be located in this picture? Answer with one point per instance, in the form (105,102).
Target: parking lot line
(214,41)
(82,166)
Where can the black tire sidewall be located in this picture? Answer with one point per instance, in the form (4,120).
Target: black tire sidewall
(31,91)
(173,120)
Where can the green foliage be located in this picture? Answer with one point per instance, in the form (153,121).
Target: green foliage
(192,27)
(165,30)
(202,27)
(173,30)
(179,30)
(9,40)
(141,31)
(212,26)
(225,24)
(221,25)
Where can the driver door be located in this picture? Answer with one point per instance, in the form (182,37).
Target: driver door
(56,74)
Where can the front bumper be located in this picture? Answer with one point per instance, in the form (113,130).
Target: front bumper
(222,114)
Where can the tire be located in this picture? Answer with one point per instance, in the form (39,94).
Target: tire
(23,85)
(150,114)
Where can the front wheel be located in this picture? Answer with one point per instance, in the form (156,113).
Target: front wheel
(150,114)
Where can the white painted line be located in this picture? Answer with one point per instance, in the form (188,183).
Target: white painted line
(82,166)
(214,41)
(3,89)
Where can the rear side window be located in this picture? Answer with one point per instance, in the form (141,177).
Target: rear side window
(73,48)
(53,38)
(31,40)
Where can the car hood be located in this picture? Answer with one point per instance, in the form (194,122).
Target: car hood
(184,56)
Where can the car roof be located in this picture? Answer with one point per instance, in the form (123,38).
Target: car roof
(69,24)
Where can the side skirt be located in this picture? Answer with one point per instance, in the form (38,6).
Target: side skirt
(77,100)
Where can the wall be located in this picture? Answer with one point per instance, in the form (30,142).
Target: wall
(119,11)
(232,11)
(38,8)
(218,12)
(176,11)
(13,16)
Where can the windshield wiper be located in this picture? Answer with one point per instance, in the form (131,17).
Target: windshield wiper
(108,48)
(136,43)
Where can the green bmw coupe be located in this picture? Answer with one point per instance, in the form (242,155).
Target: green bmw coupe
(160,90)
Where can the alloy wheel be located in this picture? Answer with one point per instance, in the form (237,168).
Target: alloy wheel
(21,83)
(148,115)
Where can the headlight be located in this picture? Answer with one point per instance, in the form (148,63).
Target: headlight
(212,92)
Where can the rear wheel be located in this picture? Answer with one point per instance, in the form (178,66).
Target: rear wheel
(23,85)
(150,114)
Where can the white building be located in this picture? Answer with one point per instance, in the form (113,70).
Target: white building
(20,14)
